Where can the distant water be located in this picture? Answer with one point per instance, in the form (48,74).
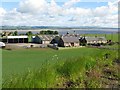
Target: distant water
(89,32)
(77,31)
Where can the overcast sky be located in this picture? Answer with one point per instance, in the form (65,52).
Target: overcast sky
(103,13)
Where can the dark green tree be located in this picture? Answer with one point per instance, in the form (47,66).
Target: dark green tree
(55,32)
(48,32)
(15,33)
(29,33)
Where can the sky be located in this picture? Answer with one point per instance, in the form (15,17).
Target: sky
(101,13)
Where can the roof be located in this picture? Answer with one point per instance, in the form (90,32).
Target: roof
(72,35)
(46,37)
(70,39)
(95,38)
(17,37)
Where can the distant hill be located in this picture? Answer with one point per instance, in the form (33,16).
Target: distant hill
(49,27)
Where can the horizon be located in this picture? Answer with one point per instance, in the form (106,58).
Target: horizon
(35,26)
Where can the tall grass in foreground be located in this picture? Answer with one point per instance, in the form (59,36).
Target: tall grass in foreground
(79,72)
(51,75)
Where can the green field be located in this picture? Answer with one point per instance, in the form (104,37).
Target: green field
(45,67)
(20,60)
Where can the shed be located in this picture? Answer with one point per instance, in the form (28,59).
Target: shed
(15,39)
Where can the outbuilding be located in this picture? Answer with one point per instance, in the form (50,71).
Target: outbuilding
(95,40)
(15,39)
(92,40)
(43,39)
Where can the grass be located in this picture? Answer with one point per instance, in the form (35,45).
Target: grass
(34,58)
(47,68)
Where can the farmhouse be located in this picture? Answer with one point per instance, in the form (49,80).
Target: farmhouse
(15,39)
(66,41)
(43,39)
(70,41)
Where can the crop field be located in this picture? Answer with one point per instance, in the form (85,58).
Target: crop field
(15,61)
(47,68)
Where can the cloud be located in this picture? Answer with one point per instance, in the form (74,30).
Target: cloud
(54,9)
(70,3)
(33,6)
(40,12)
(2,11)
(101,11)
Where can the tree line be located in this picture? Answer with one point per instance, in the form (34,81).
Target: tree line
(30,33)
(48,32)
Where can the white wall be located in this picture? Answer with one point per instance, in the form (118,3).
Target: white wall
(46,42)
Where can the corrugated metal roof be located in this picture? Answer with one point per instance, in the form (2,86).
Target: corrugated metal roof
(17,37)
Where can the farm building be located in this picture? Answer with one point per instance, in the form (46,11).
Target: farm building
(43,39)
(93,40)
(66,41)
(15,39)
(70,41)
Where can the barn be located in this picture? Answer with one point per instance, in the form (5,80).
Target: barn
(15,39)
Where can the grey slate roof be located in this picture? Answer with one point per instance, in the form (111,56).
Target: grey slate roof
(70,39)
(72,35)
